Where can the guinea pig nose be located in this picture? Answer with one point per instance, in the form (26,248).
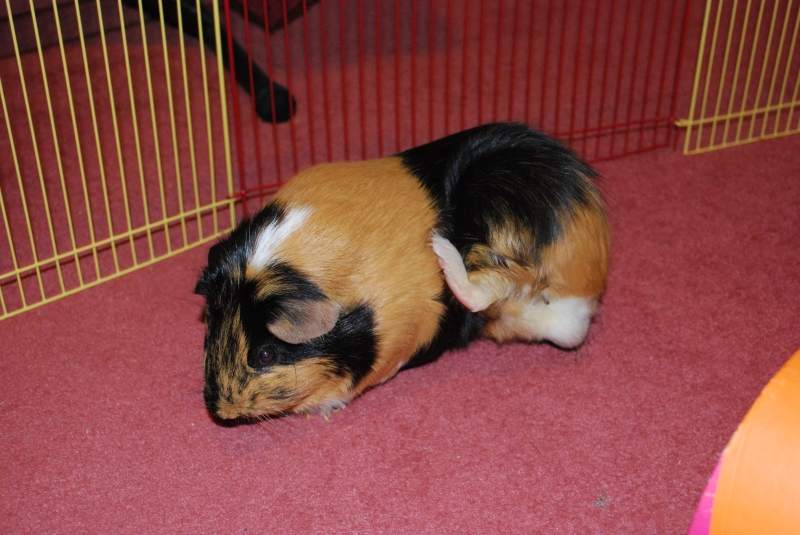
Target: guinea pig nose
(266,356)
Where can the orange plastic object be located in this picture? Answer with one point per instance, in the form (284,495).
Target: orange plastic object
(759,485)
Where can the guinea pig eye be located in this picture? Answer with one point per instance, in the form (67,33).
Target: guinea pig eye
(266,356)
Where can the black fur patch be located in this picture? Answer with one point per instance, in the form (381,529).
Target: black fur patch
(229,256)
(498,173)
(457,328)
(492,176)
(350,347)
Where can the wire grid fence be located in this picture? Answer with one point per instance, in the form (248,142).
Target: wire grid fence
(373,78)
(126,141)
(110,161)
(747,75)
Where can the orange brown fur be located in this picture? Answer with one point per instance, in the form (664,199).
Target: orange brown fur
(385,229)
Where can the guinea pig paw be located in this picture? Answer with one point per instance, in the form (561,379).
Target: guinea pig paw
(330,407)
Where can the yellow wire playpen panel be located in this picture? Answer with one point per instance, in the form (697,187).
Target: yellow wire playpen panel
(107,159)
(747,75)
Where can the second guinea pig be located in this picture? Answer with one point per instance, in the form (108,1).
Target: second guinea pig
(356,270)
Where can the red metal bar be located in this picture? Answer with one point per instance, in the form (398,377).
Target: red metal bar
(276,144)
(620,72)
(613,127)
(544,69)
(325,86)
(361,93)
(628,153)
(601,107)
(254,115)
(498,57)
(634,74)
(378,77)
(237,119)
(465,45)
(561,54)
(481,50)
(431,56)
(397,74)
(309,100)
(653,34)
(576,70)
(590,83)
(512,77)
(343,47)
(529,73)
(447,49)
(614,123)
(292,127)
(414,73)
(678,66)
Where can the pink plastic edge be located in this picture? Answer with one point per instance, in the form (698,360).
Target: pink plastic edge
(701,523)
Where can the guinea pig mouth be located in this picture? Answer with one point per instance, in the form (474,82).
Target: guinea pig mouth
(228,411)
(251,409)
(257,410)
(231,411)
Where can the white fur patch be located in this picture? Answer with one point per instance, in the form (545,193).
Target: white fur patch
(394,371)
(564,320)
(274,234)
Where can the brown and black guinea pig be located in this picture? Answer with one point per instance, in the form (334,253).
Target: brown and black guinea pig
(356,270)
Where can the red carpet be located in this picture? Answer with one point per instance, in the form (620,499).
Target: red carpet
(103,427)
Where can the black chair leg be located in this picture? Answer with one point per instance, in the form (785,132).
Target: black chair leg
(265,90)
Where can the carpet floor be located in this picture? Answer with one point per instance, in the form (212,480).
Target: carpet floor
(103,427)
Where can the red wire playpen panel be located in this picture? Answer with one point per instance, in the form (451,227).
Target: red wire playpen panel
(372,78)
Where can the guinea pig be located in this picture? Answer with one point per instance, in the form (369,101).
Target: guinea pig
(356,270)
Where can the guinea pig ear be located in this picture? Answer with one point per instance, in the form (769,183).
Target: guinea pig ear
(303,320)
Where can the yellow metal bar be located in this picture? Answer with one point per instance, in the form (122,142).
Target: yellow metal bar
(133,233)
(764,66)
(154,125)
(226,137)
(750,70)
(98,145)
(171,106)
(709,70)
(788,66)
(775,68)
(78,152)
(34,145)
(735,84)
(736,115)
(135,121)
(90,284)
(2,203)
(744,141)
(794,95)
(56,145)
(189,125)
(724,69)
(697,75)
(8,235)
(207,106)
(115,123)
